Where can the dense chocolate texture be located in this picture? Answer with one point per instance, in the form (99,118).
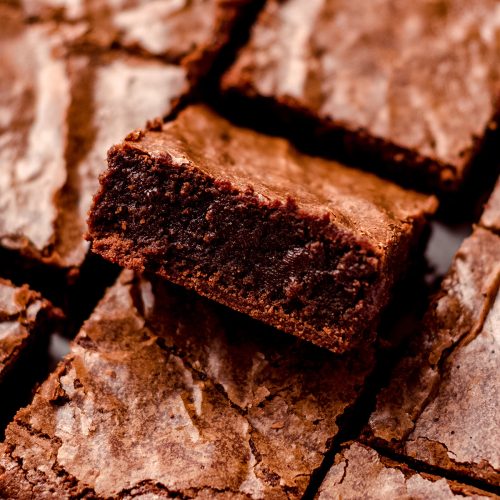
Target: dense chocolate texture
(419,94)
(167,394)
(190,32)
(61,110)
(23,321)
(306,245)
(360,472)
(441,405)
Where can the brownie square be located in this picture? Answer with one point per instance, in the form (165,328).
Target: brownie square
(191,33)
(24,319)
(361,472)
(409,87)
(61,111)
(441,406)
(304,244)
(165,394)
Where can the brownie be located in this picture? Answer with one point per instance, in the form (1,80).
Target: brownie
(304,244)
(415,97)
(165,394)
(26,319)
(360,472)
(61,111)
(441,405)
(191,33)
(24,316)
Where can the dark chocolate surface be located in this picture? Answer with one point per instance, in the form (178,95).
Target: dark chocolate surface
(307,245)
(166,394)
(419,93)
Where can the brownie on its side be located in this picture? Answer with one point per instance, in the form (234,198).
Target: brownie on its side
(360,472)
(442,404)
(188,33)
(306,245)
(61,111)
(419,95)
(23,321)
(165,393)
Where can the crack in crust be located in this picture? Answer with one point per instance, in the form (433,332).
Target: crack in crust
(167,394)
(440,405)
(360,472)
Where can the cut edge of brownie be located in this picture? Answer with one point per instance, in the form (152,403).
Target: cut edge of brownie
(338,139)
(194,208)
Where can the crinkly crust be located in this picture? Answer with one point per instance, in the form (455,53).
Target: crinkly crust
(164,393)
(63,110)
(360,472)
(23,321)
(441,405)
(419,94)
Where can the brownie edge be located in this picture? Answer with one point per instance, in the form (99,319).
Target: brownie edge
(304,244)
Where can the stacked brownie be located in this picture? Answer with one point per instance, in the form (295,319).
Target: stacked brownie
(307,245)
(252,344)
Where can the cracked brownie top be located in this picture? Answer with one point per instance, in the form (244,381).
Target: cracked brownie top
(180,31)
(163,394)
(421,92)
(441,406)
(360,472)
